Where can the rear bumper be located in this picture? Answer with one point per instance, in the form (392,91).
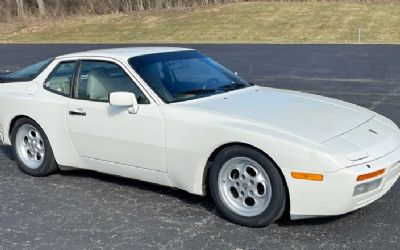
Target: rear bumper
(335,194)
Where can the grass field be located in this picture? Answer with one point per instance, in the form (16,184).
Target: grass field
(267,22)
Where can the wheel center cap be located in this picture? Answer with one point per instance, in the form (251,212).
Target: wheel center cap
(245,186)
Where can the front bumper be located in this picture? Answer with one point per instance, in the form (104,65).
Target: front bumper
(1,138)
(2,142)
(334,195)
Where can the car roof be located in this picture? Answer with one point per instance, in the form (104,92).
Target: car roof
(123,53)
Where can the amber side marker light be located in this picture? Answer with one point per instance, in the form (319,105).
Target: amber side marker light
(364,177)
(307,176)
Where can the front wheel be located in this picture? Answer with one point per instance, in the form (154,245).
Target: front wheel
(32,148)
(246,187)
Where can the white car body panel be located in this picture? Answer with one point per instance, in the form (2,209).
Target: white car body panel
(297,113)
(171,144)
(140,138)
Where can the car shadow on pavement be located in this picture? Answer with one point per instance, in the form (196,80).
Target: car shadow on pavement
(8,152)
(185,197)
(181,195)
(285,221)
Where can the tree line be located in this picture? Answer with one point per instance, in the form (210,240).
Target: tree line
(22,9)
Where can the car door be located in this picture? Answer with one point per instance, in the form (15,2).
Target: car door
(111,134)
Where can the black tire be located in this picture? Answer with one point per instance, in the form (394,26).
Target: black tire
(49,164)
(277,203)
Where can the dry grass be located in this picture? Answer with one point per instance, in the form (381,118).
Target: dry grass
(265,22)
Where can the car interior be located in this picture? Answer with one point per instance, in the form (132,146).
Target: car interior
(98,79)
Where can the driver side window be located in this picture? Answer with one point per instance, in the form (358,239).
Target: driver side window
(97,79)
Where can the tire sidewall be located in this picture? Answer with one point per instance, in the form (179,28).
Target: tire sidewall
(46,167)
(278,198)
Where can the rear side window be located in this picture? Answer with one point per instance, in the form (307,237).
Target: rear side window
(97,79)
(29,73)
(60,80)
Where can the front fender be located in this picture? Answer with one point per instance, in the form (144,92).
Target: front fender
(193,136)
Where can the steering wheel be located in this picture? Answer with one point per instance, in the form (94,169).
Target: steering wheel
(210,81)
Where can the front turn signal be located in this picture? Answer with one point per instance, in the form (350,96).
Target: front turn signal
(307,176)
(371,175)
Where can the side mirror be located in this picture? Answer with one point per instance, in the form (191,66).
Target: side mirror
(124,99)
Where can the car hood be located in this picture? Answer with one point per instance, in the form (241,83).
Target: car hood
(367,142)
(304,115)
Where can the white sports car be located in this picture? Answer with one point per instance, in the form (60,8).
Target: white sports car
(175,117)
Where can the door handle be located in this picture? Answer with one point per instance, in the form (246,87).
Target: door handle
(77,112)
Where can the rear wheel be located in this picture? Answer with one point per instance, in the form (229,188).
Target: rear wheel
(32,149)
(246,187)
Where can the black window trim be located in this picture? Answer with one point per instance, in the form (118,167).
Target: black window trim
(72,80)
(78,71)
(75,80)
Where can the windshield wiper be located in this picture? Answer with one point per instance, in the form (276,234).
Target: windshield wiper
(198,91)
(224,88)
(232,86)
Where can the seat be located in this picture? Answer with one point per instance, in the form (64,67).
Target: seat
(60,84)
(97,84)
(152,75)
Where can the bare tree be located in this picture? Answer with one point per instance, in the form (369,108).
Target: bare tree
(41,7)
(24,8)
(140,5)
(158,5)
(7,10)
(20,9)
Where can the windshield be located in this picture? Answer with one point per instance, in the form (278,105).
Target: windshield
(185,75)
(29,73)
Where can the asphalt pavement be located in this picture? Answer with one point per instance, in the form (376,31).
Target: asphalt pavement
(89,210)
